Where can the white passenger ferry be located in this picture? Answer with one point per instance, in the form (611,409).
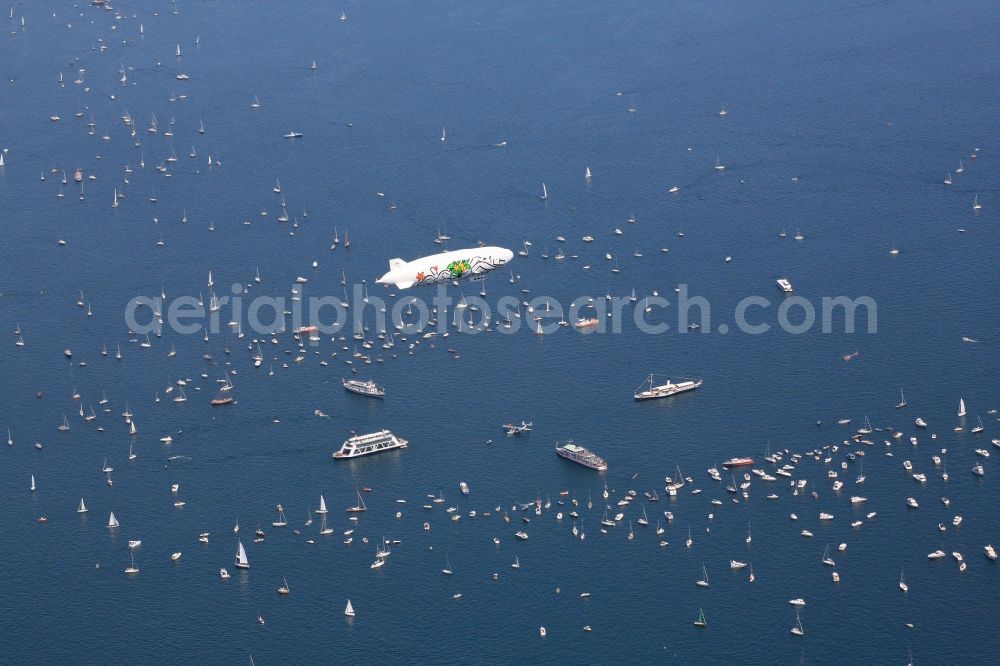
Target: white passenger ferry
(369,387)
(376,442)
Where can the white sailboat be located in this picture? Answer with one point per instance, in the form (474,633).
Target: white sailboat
(961,407)
(112,521)
(82,508)
(359,507)
(704,577)
(902,400)
(241,556)
(324,529)
(798,630)
(349,611)
(322,505)
(33,487)
(545,192)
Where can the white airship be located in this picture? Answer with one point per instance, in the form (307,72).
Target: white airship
(470,264)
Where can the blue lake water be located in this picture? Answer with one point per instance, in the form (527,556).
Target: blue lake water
(868,105)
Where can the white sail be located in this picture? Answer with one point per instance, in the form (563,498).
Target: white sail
(961,407)
(241,556)
(322,505)
(112,521)
(349,611)
(32,483)
(82,508)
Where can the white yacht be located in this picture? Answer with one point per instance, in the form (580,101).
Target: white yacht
(665,390)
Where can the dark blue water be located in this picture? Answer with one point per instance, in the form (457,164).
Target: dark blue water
(867,104)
